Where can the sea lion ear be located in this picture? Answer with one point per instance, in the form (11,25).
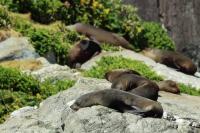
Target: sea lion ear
(84,44)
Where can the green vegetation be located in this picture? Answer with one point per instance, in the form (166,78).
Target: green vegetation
(189,90)
(110,63)
(45,11)
(5,20)
(18,89)
(157,37)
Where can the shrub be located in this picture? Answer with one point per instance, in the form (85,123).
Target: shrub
(45,11)
(157,37)
(5,2)
(110,63)
(48,88)
(18,90)
(44,41)
(12,79)
(5,20)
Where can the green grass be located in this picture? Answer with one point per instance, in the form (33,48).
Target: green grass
(189,90)
(110,63)
(18,90)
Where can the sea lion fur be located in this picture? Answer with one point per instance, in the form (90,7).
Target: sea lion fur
(130,81)
(172,59)
(82,52)
(121,101)
(101,35)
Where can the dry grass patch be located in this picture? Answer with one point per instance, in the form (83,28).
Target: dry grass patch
(27,64)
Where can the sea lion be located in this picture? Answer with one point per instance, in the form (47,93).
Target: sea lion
(121,101)
(169,86)
(129,81)
(82,52)
(171,59)
(101,35)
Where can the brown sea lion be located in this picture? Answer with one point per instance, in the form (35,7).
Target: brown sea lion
(169,86)
(171,59)
(82,52)
(101,35)
(131,82)
(121,101)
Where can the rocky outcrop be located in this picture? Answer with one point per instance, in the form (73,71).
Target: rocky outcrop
(160,69)
(55,72)
(181,19)
(16,48)
(55,115)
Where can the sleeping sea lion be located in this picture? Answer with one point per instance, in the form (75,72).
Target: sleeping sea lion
(129,81)
(171,59)
(82,52)
(169,86)
(101,35)
(121,79)
(121,101)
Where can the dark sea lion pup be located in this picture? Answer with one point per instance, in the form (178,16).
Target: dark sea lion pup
(169,86)
(101,35)
(82,52)
(129,80)
(121,101)
(171,59)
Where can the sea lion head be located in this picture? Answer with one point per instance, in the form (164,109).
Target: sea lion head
(84,44)
(186,65)
(169,86)
(82,101)
(111,75)
(152,53)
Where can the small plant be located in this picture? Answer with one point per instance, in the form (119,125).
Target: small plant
(45,11)
(5,20)
(110,63)
(157,37)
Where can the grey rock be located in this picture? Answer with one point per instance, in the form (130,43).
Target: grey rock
(162,70)
(16,48)
(54,115)
(55,72)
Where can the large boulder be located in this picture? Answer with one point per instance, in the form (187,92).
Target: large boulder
(17,48)
(54,115)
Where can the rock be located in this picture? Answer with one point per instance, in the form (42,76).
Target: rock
(16,48)
(162,70)
(54,115)
(55,72)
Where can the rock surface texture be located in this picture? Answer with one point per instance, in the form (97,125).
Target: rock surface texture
(16,48)
(54,115)
(162,70)
(181,18)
